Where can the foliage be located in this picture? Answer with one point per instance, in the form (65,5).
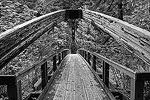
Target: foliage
(14,12)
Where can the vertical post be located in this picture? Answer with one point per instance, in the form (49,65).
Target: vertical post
(19,90)
(62,55)
(65,53)
(73,43)
(82,53)
(44,74)
(137,87)
(59,58)
(85,56)
(106,73)
(54,63)
(120,10)
(89,58)
(12,88)
(94,62)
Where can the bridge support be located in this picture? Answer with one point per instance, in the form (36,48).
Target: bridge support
(89,58)
(54,63)
(13,87)
(71,16)
(59,58)
(137,86)
(44,75)
(106,73)
(73,43)
(94,62)
(120,10)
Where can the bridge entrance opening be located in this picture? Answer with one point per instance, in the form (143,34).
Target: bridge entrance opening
(71,17)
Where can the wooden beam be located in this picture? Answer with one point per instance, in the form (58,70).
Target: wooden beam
(13,87)
(120,67)
(12,39)
(7,58)
(54,63)
(105,75)
(44,74)
(120,10)
(25,72)
(94,62)
(137,38)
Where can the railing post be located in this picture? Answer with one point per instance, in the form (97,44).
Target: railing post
(120,10)
(89,58)
(85,55)
(65,53)
(94,62)
(137,86)
(13,89)
(106,73)
(54,63)
(59,58)
(19,90)
(44,74)
(82,53)
(62,54)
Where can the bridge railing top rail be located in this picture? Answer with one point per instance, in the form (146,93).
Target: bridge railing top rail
(135,39)
(30,22)
(131,84)
(33,67)
(15,40)
(120,67)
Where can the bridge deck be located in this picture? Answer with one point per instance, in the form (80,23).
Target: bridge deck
(75,81)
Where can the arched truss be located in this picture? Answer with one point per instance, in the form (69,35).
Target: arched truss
(15,40)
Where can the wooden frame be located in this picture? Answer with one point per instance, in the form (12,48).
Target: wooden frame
(137,78)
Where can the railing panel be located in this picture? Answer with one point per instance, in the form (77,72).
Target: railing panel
(14,39)
(122,81)
(29,80)
(135,39)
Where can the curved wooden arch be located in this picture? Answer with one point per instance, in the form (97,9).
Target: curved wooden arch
(135,39)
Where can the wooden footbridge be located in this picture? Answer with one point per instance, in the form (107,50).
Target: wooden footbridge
(76,74)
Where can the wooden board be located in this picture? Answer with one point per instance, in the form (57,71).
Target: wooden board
(75,81)
(135,39)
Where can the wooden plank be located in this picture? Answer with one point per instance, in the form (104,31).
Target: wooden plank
(120,67)
(75,82)
(8,57)
(104,90)
(97,90)
(33,67)
(52,86)
(13,38)
(135,37)
(80,93)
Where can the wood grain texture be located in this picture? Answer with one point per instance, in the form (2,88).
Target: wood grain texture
(135,39)
(13,39)
(75,81)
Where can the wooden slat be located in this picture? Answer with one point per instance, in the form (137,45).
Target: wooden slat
(120,67)
(25,72)
(137,38)
(74,81)
(12,39)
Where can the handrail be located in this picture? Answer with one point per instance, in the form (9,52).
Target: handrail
(14,82)
(28,70)
(13,41)
(137,79)
(135,39)
(120,67)
(41,96)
